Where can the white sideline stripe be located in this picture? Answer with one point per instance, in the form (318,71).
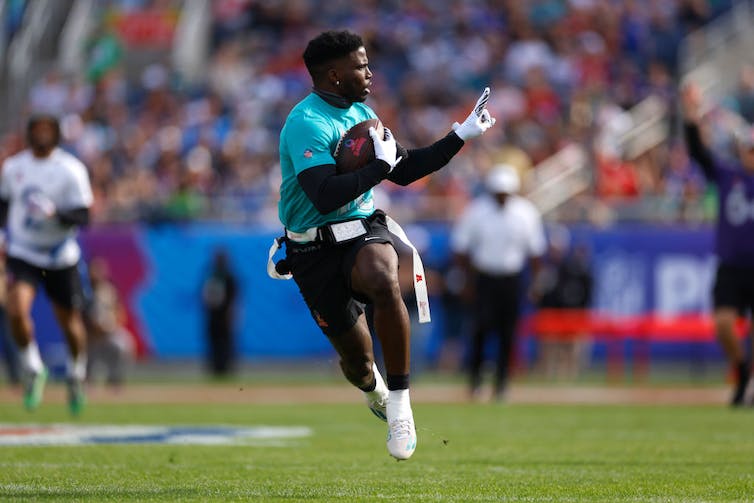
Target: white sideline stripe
(65,434)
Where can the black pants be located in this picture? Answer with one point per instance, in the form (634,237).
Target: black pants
(221,354)
(496,312)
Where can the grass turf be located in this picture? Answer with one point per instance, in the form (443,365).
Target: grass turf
(466,453)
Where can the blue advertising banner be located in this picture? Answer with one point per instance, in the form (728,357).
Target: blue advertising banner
(637,270)
(640,270)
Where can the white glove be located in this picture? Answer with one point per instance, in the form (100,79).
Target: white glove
(385,149)
(478,121)
(40,205)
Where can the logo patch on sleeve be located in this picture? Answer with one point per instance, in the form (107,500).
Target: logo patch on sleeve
(308,153)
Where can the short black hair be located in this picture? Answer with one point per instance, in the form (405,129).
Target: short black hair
(329,46)
(43,117)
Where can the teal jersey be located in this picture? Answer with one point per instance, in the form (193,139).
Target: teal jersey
(308,139)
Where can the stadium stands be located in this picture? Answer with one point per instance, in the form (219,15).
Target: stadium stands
(161,144)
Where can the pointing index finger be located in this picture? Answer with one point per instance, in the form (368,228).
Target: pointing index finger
(482,102)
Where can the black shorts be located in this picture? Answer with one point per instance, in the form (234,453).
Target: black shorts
(322,271)
(734,287)
(63,286)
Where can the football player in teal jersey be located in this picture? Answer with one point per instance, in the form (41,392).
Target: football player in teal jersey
(338,247)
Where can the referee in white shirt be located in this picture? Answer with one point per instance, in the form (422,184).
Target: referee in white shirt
(498,235)
(45,196)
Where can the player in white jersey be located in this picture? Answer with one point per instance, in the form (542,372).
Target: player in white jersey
(45,197)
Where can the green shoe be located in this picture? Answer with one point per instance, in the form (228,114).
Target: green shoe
(34,390)
(76,396)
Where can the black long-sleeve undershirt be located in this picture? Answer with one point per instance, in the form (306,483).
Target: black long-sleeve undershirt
(698,151)
(329,190)
(4,205)
(74,216)
(419,162)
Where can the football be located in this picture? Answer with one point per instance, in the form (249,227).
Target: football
(355,148)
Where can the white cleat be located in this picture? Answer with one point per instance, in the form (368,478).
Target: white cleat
(377,399)
(401,438)
(378,406)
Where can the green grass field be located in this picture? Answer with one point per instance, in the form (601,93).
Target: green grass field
(466,452)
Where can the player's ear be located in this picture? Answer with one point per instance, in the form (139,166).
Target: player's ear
(332,77)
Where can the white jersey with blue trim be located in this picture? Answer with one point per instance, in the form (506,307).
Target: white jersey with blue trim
(29,184)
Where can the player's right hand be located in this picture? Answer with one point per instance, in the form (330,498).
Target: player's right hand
(385,148)
(478,121)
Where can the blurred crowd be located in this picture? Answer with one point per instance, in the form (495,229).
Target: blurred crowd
(160,148)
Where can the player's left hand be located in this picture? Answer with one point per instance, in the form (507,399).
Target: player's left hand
(478,121)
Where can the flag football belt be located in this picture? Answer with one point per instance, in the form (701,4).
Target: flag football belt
(337,233)
(349,230)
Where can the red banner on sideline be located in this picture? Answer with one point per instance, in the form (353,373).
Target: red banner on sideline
(567,324)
